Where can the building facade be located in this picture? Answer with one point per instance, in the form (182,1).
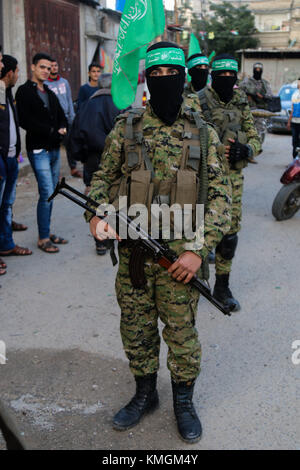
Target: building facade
(71,31)
(277,21)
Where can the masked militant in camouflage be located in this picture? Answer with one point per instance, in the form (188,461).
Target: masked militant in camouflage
(157,141)
(227,109)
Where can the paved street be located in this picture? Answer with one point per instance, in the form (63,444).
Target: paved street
(67,375)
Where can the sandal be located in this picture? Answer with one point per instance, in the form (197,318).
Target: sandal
(2,264)
(17,251)
(18,227)
(58,240)
(2,271)
(48,247)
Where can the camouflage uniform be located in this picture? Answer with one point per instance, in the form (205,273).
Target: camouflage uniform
(223,266)
(171,301)
(252,86)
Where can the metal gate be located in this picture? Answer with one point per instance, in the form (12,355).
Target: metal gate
(52,26)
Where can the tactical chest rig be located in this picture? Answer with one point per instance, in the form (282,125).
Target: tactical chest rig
(189,184)
(226,121)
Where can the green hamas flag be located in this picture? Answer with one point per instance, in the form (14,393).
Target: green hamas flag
(194,48)
(141,22)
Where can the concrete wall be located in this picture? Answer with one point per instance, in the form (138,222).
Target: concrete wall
(14,34)
(274,39)
(95,27)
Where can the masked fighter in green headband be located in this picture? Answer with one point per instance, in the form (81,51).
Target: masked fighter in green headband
(198,68)
(153,157)
(227,108)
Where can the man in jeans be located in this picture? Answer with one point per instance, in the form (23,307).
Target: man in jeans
(2,165)
(10,149)
(45,123)
(62,89)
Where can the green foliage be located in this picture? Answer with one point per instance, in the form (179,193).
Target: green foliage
(226,18)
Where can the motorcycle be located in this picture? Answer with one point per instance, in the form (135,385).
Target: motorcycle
(287,200)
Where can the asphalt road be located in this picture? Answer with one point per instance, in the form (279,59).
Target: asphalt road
(67,375)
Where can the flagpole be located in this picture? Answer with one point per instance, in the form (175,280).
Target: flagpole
(176,21)
(165,35)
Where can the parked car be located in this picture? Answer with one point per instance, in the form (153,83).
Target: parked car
(278,123)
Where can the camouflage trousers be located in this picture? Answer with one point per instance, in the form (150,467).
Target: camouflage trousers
(223,266)
(174,303)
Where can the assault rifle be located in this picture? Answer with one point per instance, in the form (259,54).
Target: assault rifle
(145,244)
(273,102)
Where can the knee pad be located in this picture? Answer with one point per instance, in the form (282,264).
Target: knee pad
(227,246)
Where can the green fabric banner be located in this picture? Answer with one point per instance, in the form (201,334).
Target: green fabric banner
(141,22)
(170,56)
(211,56)
(225,64)
(194,48)
(197,61)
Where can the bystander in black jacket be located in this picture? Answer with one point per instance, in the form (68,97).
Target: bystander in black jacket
(4,125)
(42,124)
(92,124)
(98,119)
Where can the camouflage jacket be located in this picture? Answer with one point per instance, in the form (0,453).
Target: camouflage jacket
(164,146)
(247,124)
(189,89)
(251,87)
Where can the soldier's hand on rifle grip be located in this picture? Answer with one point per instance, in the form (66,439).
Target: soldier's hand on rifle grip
(227,148)
(101,230)
(185,268)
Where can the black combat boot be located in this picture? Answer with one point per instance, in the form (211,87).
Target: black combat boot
(144,401)
(188,423)
(224,294)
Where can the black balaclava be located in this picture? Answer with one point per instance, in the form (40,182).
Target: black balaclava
(257,74)
(223,86)
(199,76)
(166,92)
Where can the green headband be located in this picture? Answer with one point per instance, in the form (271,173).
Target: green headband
(197,61)
(165,56)
(225,64)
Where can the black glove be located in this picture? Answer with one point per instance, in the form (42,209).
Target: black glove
(238,152)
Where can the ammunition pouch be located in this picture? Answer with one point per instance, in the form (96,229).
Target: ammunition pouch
(188,185)
(227,122)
